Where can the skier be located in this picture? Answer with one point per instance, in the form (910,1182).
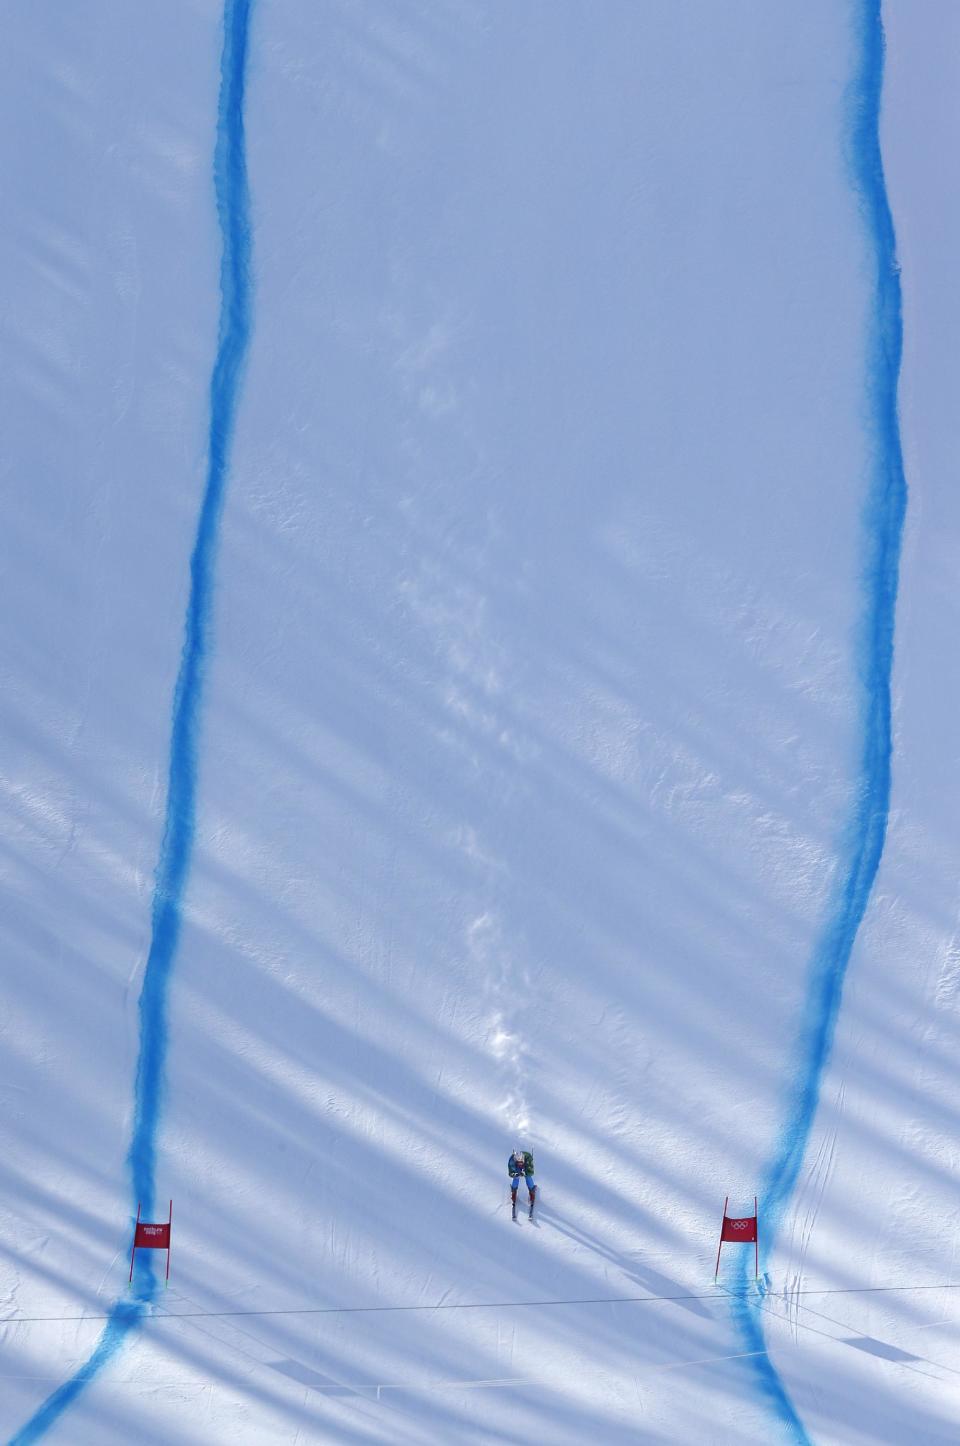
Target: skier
(520,1167)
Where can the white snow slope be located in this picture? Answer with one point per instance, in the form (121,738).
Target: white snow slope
(530,730)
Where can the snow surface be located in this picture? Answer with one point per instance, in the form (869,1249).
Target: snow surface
(530,722)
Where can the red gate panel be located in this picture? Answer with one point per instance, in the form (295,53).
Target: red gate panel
(740,1229)
(151,1235)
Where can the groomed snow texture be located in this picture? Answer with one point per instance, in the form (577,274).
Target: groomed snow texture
(480,548)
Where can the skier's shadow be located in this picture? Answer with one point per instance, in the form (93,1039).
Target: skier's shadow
(646,1277)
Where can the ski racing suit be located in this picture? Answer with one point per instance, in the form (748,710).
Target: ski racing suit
(518,1173)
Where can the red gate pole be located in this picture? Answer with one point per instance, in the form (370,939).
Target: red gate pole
(756,1239)
(169,1237)
(720,1246)
(134,1250)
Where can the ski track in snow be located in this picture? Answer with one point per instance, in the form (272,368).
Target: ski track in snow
(509,1000)
(173,867)
(883,525)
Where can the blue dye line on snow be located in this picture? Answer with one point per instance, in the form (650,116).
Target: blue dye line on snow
(883,527)
(233,209)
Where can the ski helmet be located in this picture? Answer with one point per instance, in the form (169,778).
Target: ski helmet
(518,1153)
